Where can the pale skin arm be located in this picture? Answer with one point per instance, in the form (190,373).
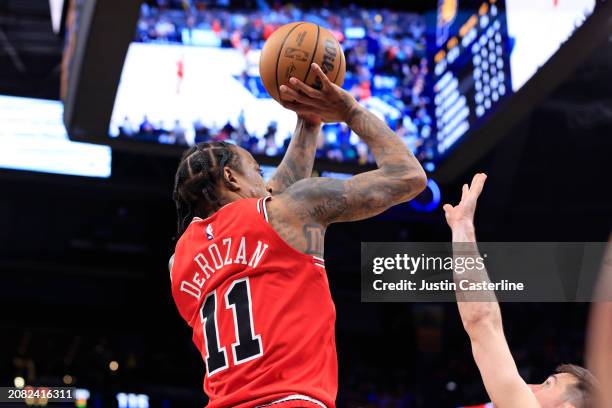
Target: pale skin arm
(304,210)
(482,320)
(599,346)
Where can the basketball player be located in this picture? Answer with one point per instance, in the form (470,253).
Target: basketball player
(570,387)
(248,274)
(180,74)
(599,351)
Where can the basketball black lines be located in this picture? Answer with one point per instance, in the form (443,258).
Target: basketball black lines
(280,52)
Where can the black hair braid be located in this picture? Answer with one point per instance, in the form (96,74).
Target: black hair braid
(197,181)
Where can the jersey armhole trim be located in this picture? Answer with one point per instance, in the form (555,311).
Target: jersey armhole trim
(170,265)
(318,261)
(261,207)
(294,397)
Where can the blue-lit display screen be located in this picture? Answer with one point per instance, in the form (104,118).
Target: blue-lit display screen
(33,138)
(192,74)
(485,51)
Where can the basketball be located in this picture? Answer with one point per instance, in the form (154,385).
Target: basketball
(290,51)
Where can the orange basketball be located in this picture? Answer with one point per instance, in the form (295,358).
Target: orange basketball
(290,51)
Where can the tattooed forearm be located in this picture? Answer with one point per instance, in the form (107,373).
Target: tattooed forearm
(399,178)
(299,158)
(309,205)
(388,149)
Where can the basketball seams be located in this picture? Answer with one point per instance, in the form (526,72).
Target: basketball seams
(280,52)
(314,53)
(341,63)
(294,62)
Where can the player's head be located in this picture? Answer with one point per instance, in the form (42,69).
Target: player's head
(570,387)
(211,175)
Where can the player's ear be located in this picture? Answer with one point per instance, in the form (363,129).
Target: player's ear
(230,180)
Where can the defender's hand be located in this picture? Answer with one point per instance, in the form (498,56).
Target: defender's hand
(331,103)
(463,213)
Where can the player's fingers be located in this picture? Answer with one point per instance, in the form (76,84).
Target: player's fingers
(464,192)
(308,90)
(324,79)
(478,184)
(290,105)
(305,112)
(474,180)
(294,106)
(299,108)
(289,94)
(447,207)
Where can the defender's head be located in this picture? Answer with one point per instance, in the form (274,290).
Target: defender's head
(570,387)
(211,175)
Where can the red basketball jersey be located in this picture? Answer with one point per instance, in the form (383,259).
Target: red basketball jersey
(261,311)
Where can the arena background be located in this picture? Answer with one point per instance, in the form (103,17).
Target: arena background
(84,260)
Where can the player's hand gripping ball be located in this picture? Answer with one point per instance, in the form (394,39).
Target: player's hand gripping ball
(290,52)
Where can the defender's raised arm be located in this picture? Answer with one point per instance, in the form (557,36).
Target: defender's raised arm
(482,320)
(599,346)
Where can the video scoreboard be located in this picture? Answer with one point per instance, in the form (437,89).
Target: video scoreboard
(486,50)
(471,68)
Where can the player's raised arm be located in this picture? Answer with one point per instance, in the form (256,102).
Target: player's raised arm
(599,346)
(299,158)
(482,320)
(322,201)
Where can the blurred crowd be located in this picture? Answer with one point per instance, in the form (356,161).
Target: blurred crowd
(334,142)
(428,362)
(385,55)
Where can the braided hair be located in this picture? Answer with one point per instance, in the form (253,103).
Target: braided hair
(198,179)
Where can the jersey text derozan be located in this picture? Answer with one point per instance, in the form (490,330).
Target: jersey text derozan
(208,262)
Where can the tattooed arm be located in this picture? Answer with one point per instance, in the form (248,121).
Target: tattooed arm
(304,210)
(299,158)
(399,178)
